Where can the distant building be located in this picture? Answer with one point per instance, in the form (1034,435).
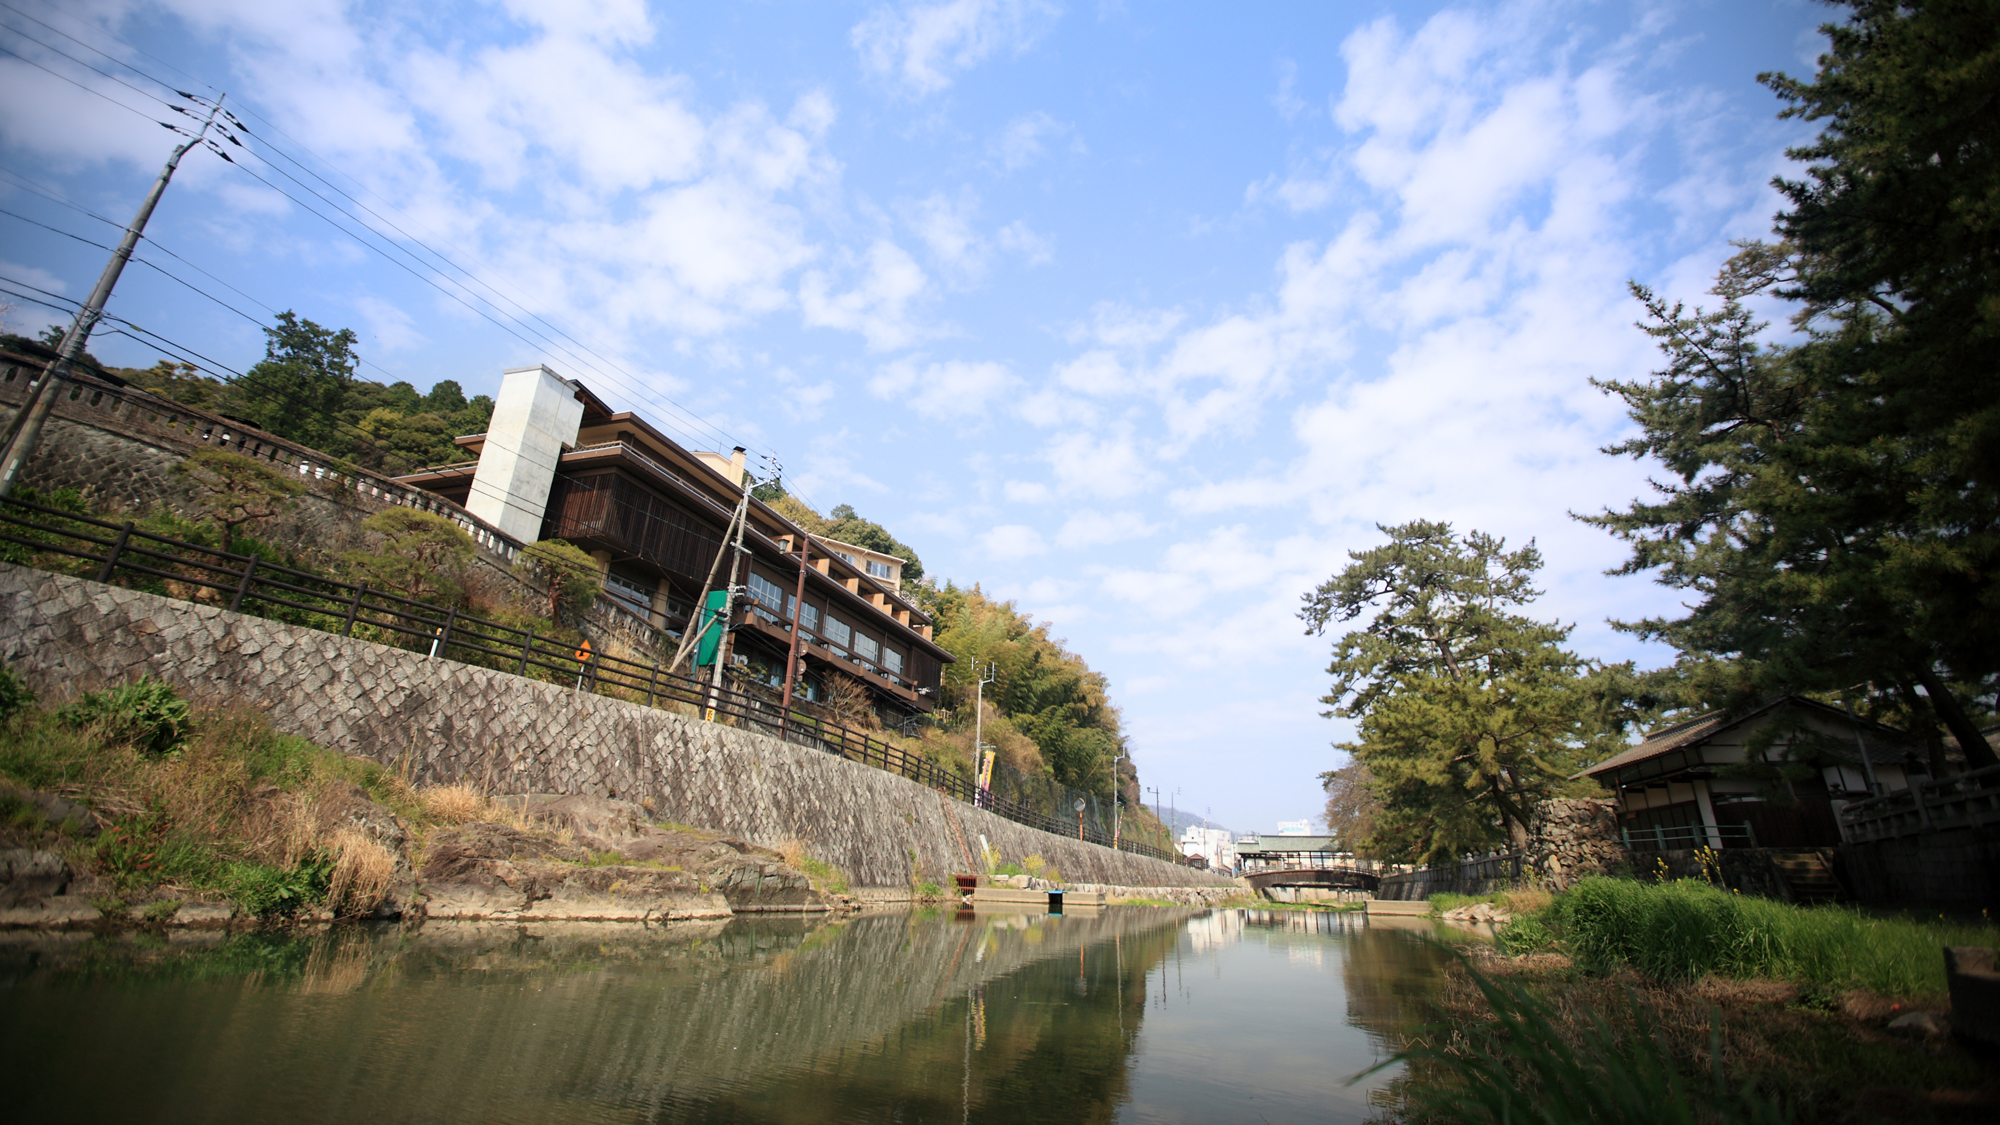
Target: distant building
(1285,850)
(1211,844)
(557,463)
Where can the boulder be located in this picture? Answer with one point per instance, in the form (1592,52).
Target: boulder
(56,810)
(51,912)
(28,875)
(489,871)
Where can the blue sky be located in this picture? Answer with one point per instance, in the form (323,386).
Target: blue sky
(1141,315)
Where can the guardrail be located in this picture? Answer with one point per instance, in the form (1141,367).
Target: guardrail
(1968,800)
(246,584)
(1660,839)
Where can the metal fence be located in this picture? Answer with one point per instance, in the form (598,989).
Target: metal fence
(1660,839)
(125,554)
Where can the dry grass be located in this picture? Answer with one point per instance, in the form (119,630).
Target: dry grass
(453,804)
(363,871)
(1823,1057)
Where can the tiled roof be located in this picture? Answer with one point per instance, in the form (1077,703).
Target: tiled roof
(1688,732)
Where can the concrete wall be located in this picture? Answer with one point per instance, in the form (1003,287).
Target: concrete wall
(448,722)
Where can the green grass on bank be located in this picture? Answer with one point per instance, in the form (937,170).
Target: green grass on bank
(1518,901)
(1686,929)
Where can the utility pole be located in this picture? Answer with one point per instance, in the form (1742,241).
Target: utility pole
(798,609)
(729,595)
(979,771)
(26,428)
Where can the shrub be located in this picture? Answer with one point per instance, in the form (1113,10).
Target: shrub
(145,713)
(15,696)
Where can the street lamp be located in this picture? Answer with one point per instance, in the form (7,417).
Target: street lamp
(1079,818)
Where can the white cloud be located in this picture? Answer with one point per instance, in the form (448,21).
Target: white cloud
(1089,528)
(390,326)
(1017,238)
(877,306)
(945,226)
(1029,137)
(1012,541)
(952,389)
(922,46)
(1026,492)
(1109,465)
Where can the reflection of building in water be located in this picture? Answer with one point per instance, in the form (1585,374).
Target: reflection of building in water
(1213,931)
(1211,844)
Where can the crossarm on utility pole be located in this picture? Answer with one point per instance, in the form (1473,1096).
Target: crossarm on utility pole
(25,429)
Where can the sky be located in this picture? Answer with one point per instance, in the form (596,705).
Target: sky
(1141,316)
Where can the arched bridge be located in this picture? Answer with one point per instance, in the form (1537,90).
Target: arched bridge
(1341,875)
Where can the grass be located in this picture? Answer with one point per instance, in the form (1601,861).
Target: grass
(1683,930)
(824,876)
(1525,900)
(209,800)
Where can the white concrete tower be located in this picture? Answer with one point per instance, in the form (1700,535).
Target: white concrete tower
(536,413)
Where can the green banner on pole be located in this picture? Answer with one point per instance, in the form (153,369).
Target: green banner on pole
(711,634)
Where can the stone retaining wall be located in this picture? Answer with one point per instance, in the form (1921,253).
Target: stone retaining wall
(1958,868)
(448,722)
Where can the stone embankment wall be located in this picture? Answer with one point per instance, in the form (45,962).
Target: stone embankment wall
(445,722)
(1568,839)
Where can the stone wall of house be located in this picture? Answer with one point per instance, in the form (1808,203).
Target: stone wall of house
(1571,838)
(446,722)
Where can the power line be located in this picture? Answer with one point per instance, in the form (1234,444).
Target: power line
(627,381)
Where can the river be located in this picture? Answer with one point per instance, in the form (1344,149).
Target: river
(1131,1014)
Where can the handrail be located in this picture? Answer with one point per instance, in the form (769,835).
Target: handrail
(315,601)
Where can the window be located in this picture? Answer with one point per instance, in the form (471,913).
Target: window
(765,592)
(880,569)
(893,661)
(850,558)
(808,616)
(837,634)
(867,649)
(629,593)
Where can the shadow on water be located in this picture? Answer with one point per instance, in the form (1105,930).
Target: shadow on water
(988,1017)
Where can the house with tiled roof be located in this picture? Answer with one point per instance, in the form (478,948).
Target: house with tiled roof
(1773,776)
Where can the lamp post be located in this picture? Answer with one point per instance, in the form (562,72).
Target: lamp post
(1079,818)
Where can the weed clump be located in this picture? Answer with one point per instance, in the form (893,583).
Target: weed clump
(145,713)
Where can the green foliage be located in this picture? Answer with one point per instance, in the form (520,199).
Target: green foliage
(1043,693)
(24,554)
(563,569)
(277,892)
(300,387)
(305,390)
(844,525)
(1681,930)
(1469,714)
(421,555)
(232,490)
(1528,1071)
(145,713)
(1834,504)
(15,696)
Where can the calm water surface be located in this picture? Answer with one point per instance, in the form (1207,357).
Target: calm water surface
(1129,1014)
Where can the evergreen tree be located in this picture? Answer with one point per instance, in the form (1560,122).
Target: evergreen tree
(1835,503)
(300,388)
(1469,713)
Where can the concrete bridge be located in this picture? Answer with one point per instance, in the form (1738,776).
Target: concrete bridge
(1346,875)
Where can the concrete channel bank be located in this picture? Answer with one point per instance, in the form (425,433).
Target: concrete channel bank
(447,722)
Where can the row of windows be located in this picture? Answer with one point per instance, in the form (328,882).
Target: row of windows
(875,568)
(777,606)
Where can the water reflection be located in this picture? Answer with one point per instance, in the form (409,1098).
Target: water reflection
(1128,1014)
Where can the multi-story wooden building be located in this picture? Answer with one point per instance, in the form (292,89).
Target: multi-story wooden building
(557,463)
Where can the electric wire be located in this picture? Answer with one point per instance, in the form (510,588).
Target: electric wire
(628,381)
